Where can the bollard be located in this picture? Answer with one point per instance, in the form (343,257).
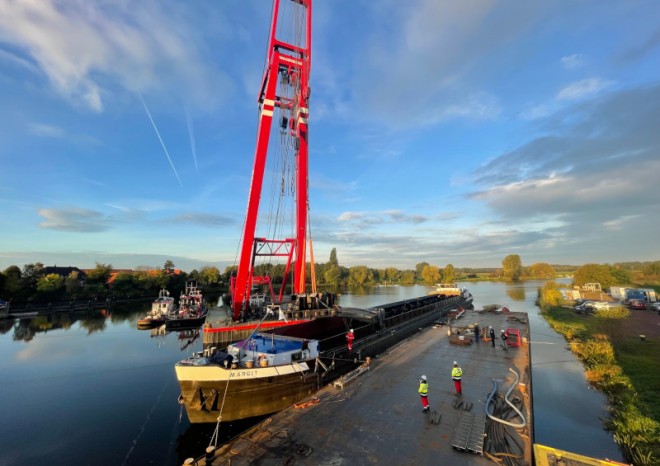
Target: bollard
(210,454)
(190,462)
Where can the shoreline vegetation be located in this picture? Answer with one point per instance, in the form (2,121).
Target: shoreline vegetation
(622,365)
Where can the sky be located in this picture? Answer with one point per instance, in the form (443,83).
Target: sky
(440,131)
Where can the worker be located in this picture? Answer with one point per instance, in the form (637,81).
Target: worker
(504,337)
(424,393)
(491,332)
(456,374)
(476,332)
(350,336)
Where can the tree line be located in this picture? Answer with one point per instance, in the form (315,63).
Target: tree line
(38,283)
(35,282)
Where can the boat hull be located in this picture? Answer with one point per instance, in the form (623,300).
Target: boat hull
(208,392)
(186,322)
(147,323)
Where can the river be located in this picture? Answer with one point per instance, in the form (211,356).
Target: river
(78,389)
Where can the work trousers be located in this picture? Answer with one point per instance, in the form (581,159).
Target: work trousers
(457,386)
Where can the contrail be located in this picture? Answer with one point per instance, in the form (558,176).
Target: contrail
(160,139)
(191,134)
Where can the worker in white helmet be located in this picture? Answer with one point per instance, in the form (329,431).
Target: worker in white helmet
(456,375)
(424,393)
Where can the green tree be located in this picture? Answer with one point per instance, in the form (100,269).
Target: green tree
(151,282)
(408,277)
(72,283)
(124,283)
(652,268)
(594,273)
(29,277)
(50,283)
(333,257)
(360,275)
(448,274)
(209,275)
(391,275)
(194,275)
(332,276)
(550,295)
(621,276)
(430,274)
(100,274)
(13,282)
(512,267)
(541,270)
(419,268)
(168,266)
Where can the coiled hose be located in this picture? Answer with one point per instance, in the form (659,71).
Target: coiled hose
(503,444)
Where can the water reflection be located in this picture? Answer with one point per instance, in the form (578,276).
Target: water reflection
(186,337)
(517,294)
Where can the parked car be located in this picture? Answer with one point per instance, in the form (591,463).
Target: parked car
(637,304)
(586,307)
(656,306)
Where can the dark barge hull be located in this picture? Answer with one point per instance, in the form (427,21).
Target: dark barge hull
(186,323)
(210,390)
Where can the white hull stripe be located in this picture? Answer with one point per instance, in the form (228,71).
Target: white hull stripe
(219,374)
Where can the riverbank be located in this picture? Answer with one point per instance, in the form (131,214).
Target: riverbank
(624,366)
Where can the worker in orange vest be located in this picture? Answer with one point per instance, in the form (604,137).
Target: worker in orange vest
(350,336)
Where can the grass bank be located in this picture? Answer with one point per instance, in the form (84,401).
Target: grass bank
(626,369)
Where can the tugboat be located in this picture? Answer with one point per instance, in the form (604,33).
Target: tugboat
(160,307)
(192,309)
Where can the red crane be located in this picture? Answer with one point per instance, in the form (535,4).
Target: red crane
(285,88)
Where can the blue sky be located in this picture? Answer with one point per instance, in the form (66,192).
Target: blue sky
(440,131)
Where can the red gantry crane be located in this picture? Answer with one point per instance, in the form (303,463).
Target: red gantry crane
(285,90)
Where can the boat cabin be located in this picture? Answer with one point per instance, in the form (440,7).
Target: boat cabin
(265,349)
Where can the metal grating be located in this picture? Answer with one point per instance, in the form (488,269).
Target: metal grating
(469,434)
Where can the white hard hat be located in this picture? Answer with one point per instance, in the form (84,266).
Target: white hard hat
(455,363)
(502,331)
(423,377)
(350,330)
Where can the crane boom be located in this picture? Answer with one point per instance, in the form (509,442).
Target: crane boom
(290,63)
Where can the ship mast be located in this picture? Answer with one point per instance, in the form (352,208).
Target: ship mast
(289,64)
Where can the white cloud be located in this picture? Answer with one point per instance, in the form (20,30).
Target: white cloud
(538,111)
(73,219)
(478,107)
(584,88)
(572,62)
(619,223)
(40,129)
(88,47)
(350,216)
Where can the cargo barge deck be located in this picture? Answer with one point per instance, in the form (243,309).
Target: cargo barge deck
(374,415)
